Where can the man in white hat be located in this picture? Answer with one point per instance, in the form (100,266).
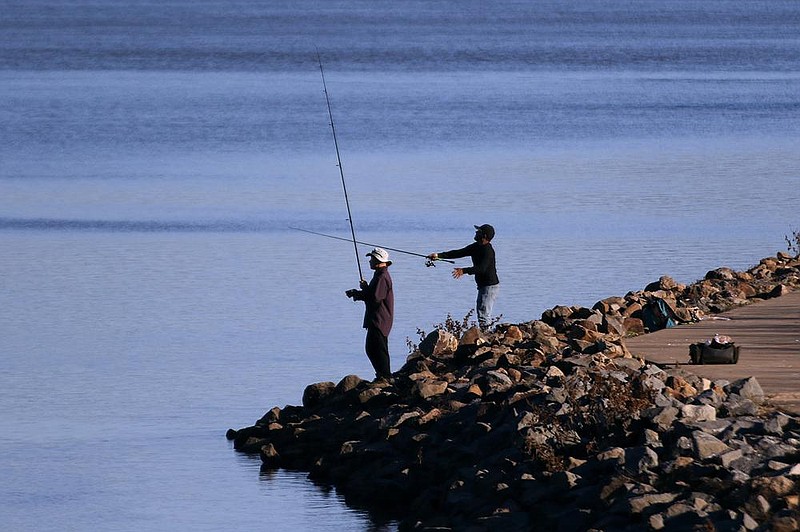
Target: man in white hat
(379,313)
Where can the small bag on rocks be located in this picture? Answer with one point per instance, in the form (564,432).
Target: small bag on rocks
(718,350)
(657,314)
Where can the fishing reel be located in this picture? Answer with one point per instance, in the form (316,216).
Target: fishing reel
(429,263)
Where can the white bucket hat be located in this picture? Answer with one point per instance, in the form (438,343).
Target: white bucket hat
(380,254)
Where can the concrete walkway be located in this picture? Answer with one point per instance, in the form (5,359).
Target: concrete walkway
(768,333)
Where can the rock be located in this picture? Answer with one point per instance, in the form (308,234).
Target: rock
(664,282)
(681,387)
(773,448)
(715,427)
(654,383)
(652,440)
(438,343)
(709,397)
(368,394)
(549,344)
(774,465)
(315,394)
(397,419)
(269,455)
(784,523)
(679,509)
(426,388)
(642,503)
(609,305)
(553,372)
(633,326)
(422,375)
(581,313)
(633,364)
(481,354)
(736,405)
(748,522)
(773,487)
(778,291)
(556,313)
(540,329)
(726,459)
(662,417)
(777,423)
(656,522)
(472,337)
(691,413)
(747,388)
(613,325)
(724,273)
(272,416)
(513,335)
(348,383)
(509,361)
(474,391)
(582,334)
(498,381)
(565,480)
(706,445)
(640,459)
(617,454)
(744,290)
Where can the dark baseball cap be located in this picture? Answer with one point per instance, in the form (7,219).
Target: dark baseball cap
(486,230)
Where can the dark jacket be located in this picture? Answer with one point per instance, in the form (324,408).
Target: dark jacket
(483,263)
(379,299)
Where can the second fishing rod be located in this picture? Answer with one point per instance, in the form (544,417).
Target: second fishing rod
(428,262)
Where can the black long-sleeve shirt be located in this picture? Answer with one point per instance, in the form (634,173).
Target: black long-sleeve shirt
(483,264)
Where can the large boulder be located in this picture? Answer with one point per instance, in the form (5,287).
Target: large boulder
(315,394)
(748,388)
(348,383)
(439,343)
(664,282)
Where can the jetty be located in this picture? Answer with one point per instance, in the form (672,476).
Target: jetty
(585,419)
(767,332)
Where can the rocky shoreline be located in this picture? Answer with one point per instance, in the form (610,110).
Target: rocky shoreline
(552,425)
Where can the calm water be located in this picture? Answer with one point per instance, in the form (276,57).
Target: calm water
(153,157)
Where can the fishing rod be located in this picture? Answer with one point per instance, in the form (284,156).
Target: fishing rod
(429,262)
(341,171)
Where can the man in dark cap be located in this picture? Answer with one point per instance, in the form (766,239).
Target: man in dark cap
(378,297)
(483,268)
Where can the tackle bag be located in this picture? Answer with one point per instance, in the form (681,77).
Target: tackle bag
(714,353)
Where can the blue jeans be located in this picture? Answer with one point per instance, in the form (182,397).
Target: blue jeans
(487,295)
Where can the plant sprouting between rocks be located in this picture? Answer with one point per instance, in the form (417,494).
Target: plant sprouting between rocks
(451,325)
(793,242)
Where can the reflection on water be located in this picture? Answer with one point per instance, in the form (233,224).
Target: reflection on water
(325,499)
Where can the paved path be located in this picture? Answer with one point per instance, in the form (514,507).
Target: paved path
(768,333)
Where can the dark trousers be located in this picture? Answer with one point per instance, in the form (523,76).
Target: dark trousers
(377,347)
